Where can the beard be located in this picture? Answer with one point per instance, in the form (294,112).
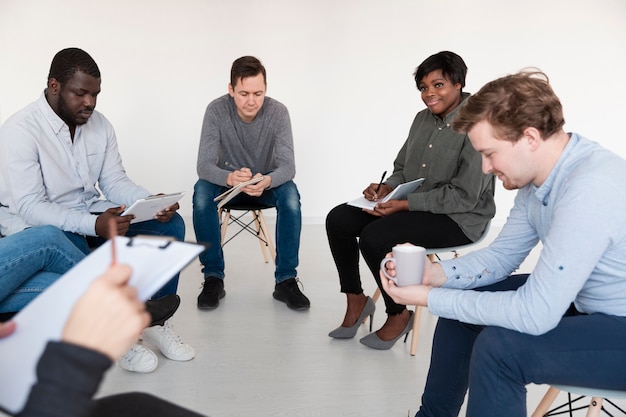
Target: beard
(67,116)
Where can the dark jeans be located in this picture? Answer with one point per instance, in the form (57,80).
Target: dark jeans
(285,198)
(350,229)
(175,228)
(497,363)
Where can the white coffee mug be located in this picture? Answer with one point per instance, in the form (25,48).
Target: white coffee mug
(409,264)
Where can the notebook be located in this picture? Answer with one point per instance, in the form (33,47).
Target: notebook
(146,208)
(401,192)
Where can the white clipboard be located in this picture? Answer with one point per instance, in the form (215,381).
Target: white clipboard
(401,192)
(146,208)
(154,262)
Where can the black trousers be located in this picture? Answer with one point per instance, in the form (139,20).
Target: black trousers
(351,230)
(138,404)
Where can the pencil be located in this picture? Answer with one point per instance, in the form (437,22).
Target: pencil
(112,234)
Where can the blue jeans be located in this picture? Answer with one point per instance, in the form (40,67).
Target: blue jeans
(497,363)
(30,261)
(206,223)
(175,228)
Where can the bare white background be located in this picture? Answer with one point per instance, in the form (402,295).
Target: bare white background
(343,68)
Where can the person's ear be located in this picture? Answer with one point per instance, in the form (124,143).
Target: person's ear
(533,137)
(231,90)
(54,86)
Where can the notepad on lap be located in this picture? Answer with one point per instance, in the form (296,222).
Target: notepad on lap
(226,196)
(146,208)
(401,192)
(154,262)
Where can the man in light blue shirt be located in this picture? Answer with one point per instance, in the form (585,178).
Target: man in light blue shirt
(565,323)
(60,166)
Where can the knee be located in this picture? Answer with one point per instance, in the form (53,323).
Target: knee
(48,233)
(203,195)
(488,348)
(288,197)
(336,219)
(331,220)
(174,227)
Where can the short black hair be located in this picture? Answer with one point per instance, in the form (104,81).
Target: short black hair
(67,61)
(450,64)
(244,67)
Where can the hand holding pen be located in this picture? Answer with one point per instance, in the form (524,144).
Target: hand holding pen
(375,191)
(237,175)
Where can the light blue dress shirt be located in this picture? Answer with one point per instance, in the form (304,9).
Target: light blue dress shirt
(579,216)
(48,179)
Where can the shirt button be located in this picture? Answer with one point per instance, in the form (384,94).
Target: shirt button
(430,145)
(423,165)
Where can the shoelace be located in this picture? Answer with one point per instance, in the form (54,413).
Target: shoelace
(208,287)
(298,284)
(168,331)
(130,355)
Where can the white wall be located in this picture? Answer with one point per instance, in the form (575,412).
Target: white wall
(343,68)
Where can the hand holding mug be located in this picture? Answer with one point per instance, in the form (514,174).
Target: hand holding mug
(408,265)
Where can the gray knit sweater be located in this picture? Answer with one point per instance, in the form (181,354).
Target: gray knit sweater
(264,145)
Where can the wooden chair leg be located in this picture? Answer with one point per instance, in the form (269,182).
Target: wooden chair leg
(595,406)
(265,233)
(260,233)
(224,216)
(376,295)
(416,329)
(546,402)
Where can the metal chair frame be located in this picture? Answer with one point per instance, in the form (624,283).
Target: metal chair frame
(256,227)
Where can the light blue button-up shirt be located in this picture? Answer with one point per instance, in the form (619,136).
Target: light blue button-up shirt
(45,178)
(579,216)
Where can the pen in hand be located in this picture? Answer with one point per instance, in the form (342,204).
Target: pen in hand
(112,234)
(230,166)
(380,182)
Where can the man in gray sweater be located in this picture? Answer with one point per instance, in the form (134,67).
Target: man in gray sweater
(245,135)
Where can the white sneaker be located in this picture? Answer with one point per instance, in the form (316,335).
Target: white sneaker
(139,359)
(168,342)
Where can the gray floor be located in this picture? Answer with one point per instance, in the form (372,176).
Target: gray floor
(256,357)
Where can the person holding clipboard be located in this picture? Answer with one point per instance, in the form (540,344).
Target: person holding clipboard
(102,324)
(450,207)
(61,167)
(247,135)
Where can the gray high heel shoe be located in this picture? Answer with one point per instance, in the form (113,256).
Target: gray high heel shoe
(349,332)
(373,341)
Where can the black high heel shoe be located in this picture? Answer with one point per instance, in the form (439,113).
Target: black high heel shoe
(373,341)
(349,332)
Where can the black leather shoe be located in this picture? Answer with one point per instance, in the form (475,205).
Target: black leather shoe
(162,308)
(289,293)
(212,293)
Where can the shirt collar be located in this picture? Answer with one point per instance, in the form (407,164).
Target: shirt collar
(53,119)
(543,192)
